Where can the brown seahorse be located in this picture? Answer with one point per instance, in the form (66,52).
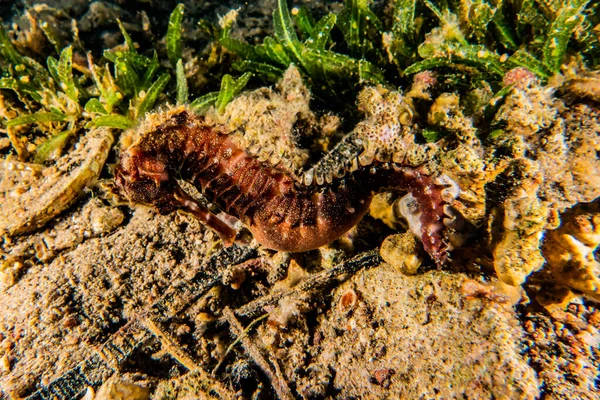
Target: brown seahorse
(281,212)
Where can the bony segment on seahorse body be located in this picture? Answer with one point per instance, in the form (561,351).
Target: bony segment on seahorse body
(281,212)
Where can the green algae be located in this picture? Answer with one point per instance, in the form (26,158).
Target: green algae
(337,54)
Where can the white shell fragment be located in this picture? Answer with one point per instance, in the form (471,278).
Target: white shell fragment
(408,207)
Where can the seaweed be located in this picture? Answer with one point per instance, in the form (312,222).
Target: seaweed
(568,19)
(182,87)
(173,38)
(448,46)
(337,54)
(353,21)
(50,95)
(401,42)
(230,87)
(481,38)
(61,102)
(323,68)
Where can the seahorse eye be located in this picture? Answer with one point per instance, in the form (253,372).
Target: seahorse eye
(136,190)
(143,191)
(141,178)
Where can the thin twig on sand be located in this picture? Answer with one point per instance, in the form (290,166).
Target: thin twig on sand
(274,375)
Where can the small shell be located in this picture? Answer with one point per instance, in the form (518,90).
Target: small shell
(57,187)
(408,207)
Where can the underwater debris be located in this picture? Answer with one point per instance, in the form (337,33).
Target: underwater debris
(581,84)
(31,195)
(518,227)
(564,347)
(425,329)
(402,251)
(568,157)
(529,107)
(569,250)
(121,386)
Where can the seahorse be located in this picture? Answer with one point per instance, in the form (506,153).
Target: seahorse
(281,212)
